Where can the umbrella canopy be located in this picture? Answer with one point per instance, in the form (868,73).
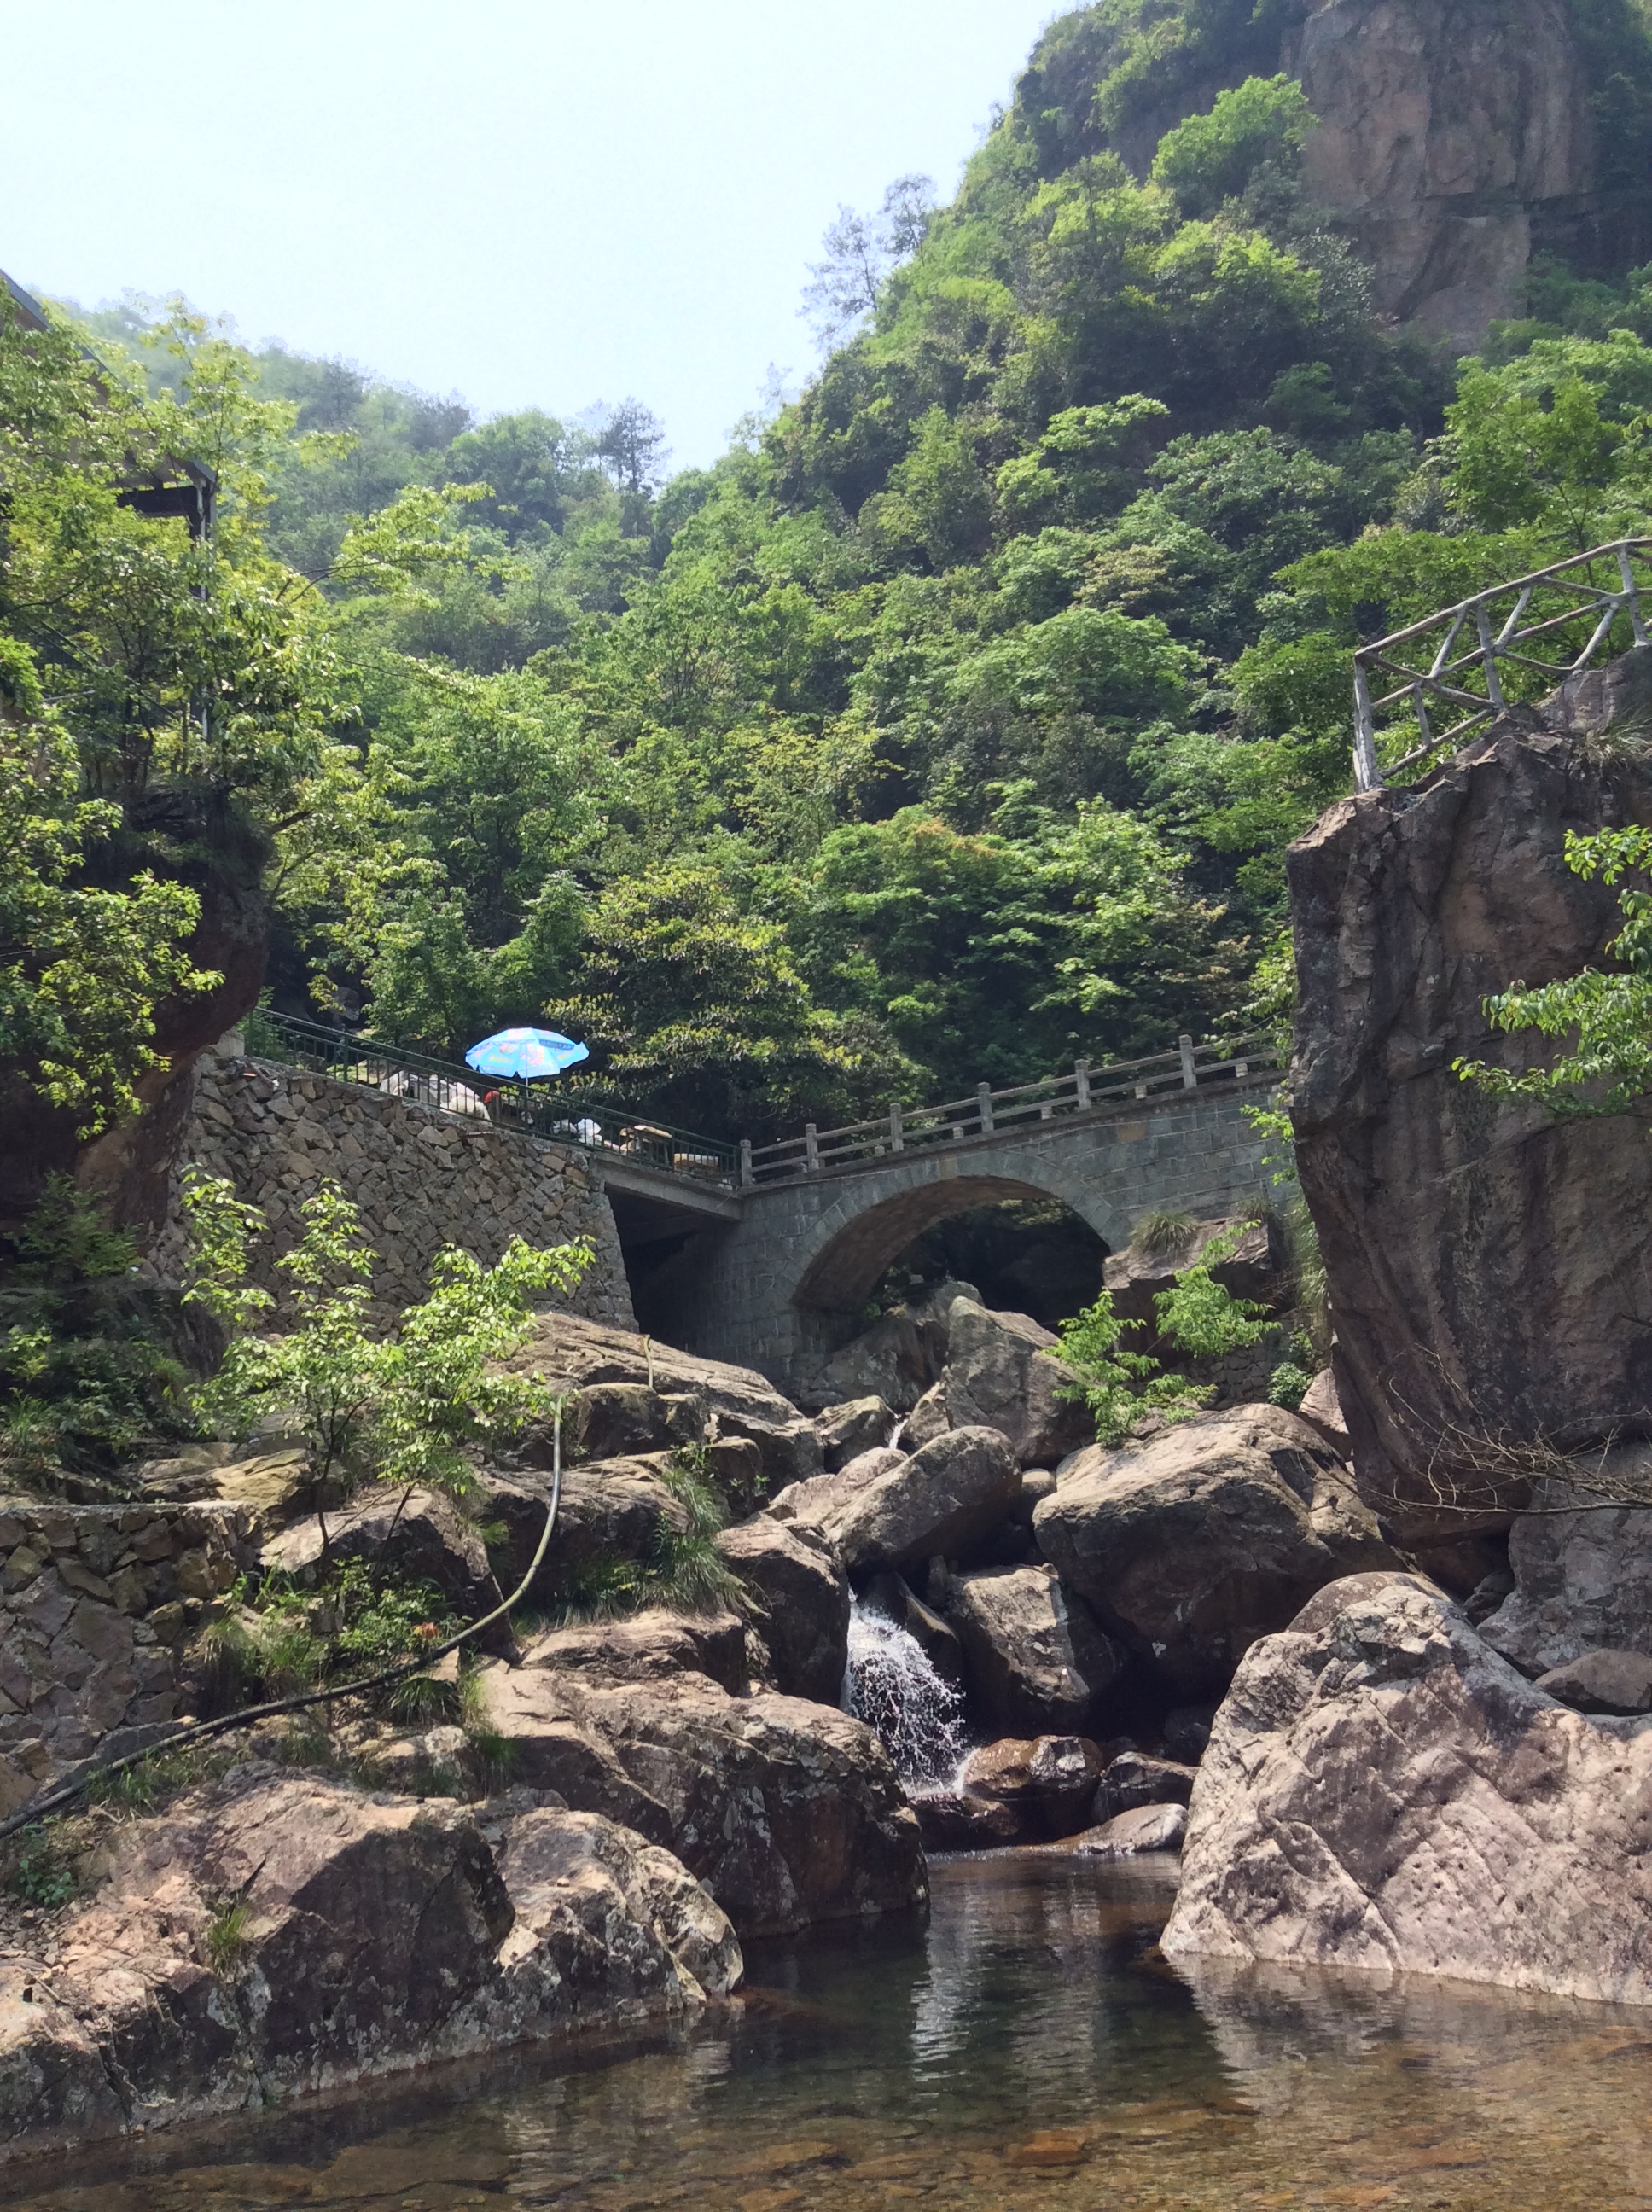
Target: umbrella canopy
(524,1052)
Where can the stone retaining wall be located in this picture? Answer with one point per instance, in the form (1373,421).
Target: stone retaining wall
(420,1179)
(96,1604)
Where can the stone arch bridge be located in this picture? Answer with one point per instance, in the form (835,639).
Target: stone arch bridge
(763,1255)
(777,1281)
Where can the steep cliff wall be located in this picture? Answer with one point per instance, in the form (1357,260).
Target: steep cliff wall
(1486,1264)
(1456,136)
(1449,130)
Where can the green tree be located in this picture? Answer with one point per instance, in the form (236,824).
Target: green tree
(408,1406)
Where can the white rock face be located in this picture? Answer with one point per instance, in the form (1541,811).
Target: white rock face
(1383,1791)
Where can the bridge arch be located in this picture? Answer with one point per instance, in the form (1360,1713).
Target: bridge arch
(846,1267)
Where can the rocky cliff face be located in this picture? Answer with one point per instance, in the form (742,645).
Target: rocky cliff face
(1450,132)
(1455,138)
(1486,1264)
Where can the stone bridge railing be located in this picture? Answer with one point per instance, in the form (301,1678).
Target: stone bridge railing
(989,1112)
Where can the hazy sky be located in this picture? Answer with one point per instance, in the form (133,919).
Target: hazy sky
(529,202)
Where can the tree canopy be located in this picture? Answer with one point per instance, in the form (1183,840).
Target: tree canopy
(950,726)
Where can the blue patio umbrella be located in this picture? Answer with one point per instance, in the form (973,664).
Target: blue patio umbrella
(526,1052)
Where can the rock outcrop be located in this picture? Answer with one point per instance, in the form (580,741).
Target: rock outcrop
(365,1936)
(730,1403)
(415,1535)
(1450,132)
(788,1811)
(1192,1545)
(1383,1790)
(1485,1263)
(1454,138)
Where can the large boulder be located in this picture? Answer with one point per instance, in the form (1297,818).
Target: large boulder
(417,1536)
(1037,1661)
(1484,1260)
(1383,1790)
(788,1811)
(1582,1578)
(1049,1782)
(1000,1375)
(1192,1544)
(729,1402)
(520,1718)
(802,1602)
(942,1500)
(277,1933)
(847,1431)
(823,1495)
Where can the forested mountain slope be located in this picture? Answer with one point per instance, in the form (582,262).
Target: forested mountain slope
(952,725)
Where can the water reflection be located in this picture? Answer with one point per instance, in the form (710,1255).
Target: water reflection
(1027,2048)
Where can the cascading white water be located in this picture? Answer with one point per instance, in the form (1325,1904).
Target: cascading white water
(891,1685)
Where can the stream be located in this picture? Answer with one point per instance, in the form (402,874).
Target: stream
(1025,2046)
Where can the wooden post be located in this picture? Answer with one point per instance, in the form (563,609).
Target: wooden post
(747,1177)
(1368,776)
(1081,1081)
(897,1141)
(1489,657)
(1632,595)
(1189,1071)
(811,1149)
(984,1107)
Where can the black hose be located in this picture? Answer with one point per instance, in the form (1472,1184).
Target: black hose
(65,1793)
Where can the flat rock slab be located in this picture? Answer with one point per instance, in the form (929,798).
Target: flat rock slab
(1144,1828)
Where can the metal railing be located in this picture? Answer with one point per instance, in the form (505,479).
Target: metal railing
(1052,1098)
(527,1110)
(1569,599)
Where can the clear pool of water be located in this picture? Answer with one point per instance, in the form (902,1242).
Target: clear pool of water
(1025,2047)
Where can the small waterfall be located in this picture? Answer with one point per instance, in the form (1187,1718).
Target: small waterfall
(891,1685)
